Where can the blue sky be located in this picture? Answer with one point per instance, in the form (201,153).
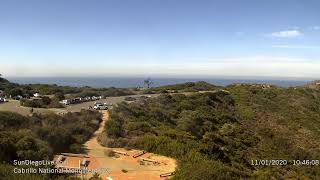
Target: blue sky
(271,38)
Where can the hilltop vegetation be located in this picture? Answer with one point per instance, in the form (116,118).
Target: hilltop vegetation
(184,87)
(216,135)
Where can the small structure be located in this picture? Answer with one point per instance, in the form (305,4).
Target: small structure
(75,155)
(151,160)
(120,152)
(37,95)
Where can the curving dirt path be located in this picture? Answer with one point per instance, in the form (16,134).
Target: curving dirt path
(128,163)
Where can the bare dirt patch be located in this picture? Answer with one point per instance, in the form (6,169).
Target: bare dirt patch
(125,166)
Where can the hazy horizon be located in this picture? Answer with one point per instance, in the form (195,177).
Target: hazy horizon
(169,77)
(271,39)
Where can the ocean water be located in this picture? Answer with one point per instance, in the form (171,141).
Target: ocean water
(123,82)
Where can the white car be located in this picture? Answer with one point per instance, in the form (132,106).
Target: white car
(65,102)
(100,107)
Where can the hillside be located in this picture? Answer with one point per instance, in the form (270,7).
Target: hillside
(217,135)
(184,87)
(313,85)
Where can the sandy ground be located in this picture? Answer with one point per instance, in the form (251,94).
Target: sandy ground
(14,106)
(128,163)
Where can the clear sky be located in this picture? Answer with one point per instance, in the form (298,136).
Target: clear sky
(272,38)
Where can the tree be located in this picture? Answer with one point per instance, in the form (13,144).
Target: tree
(148,82)
(15,92)
(59,95)
(114,128)
(46,100)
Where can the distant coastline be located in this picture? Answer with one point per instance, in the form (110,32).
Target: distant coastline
(128,82)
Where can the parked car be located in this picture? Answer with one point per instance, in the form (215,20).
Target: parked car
(65,102)
(94,98)
(17,97)
(100,106)
(3,100)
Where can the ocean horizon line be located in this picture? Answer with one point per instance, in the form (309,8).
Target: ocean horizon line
(172,77)
(132,82)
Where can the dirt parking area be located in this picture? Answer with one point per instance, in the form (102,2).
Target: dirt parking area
(14,105)
(113,100)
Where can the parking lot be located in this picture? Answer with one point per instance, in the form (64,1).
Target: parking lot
(14,105)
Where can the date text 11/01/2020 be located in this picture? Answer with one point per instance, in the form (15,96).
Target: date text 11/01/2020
(282,162)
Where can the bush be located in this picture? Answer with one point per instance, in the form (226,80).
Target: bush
(109,153)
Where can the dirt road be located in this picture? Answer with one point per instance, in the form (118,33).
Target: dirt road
(126,167)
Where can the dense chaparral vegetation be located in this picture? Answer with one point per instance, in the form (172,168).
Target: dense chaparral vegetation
(184,87)
(215,135)
(41,136)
